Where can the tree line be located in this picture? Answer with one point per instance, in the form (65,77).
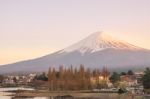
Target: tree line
(74,78)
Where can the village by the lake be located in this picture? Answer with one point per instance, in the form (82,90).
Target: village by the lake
(73,83)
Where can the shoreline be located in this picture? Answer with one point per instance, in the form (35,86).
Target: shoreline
(81,94)
(75,94)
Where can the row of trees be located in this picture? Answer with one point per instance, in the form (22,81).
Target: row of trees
(81,78)
(73,78)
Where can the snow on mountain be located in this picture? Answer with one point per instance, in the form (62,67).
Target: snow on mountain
(99,41)
(95,51)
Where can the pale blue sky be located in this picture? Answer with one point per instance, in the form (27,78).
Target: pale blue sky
(31,28)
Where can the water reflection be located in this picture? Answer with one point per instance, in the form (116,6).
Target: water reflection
(32,98)
(5,93)
(14,89)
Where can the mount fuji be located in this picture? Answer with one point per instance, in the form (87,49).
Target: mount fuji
(97,50)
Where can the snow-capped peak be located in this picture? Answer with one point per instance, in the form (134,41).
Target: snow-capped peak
(99,41)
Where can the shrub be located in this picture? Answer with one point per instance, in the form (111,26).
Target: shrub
(122,91)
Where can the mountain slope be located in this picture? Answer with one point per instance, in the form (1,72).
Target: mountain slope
(99,41)
(95,51)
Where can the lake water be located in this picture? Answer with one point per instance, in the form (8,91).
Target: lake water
(5,95)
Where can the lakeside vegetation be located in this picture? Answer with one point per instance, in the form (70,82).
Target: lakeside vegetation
(75,79)
(83,82)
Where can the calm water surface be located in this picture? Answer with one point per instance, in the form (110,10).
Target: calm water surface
(5,95)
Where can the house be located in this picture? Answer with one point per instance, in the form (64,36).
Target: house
(101,80)
(130,80)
